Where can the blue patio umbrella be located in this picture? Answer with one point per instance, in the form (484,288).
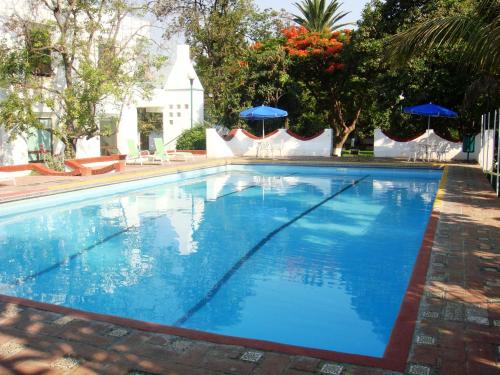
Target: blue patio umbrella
(430,110)
(262,113)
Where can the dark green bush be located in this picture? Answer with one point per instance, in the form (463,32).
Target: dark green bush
(192,139)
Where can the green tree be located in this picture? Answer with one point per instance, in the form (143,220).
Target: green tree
(305,73)
(475,31)
(219,33)
(319,17)
(71,63)
(436,75)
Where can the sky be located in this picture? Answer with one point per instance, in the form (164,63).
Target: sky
(353,6)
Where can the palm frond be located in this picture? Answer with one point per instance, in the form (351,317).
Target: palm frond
(317,16)
(478,40)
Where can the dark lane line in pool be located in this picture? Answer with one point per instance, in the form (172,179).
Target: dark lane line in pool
(79,253)
(243,189)
(67,259)
(213,291)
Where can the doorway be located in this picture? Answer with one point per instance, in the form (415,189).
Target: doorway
(150,126)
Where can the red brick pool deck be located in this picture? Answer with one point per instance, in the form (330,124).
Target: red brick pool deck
(457,329)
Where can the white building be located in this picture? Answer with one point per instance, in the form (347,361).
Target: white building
(177,98)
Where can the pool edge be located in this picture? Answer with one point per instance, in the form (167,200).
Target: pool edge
(398,347)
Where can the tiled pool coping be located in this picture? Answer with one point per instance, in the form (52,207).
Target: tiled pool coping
(396,354)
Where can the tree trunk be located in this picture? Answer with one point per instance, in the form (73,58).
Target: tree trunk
(69,147)
(341,128)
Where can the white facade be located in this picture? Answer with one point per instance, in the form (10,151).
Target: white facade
(385,147)
(278,144)
(171,98)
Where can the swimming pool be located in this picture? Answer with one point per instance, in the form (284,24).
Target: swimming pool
(318,257)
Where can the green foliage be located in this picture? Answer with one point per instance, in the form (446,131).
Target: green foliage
(38,46)
(266,72)
(17,114)
(219,33)
(436,75)
(55,163)
(148,122)
(319,17)
(69,36)
(192,139)
(475,32)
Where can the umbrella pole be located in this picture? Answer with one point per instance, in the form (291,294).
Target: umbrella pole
(428,128)
(427,153)
(262,129)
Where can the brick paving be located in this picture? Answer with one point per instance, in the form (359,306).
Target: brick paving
(457,332)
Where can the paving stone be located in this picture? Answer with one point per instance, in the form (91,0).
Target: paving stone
(11,310)
(476,311)
(426,340)
(251,356)
(478,320)
(66,363)
(118,332)
(11,348)
(180,345)
(330,368)
(437,278)
(419,370)
(454,311)
(430,314)
(63,320)
(305,363)
(436,294)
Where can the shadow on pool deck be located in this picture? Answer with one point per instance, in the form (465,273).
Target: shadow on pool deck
(458,328)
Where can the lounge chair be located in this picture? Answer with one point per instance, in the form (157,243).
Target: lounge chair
(135,155)
(160,153)
(171,155)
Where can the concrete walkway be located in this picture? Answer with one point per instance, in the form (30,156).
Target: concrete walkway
(458,328)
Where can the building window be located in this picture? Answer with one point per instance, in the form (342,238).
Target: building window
(171,106)
(40,140)
(171,122)
(186,106)
(38,46)
(178,114)
(171,114)
(178,106)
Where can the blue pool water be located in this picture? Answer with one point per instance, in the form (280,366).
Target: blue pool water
(311,256)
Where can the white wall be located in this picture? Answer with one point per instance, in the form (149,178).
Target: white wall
(88,148)
(242,145)
(127,128)
(486,148)
(14,151)
(178,89)
(385,147)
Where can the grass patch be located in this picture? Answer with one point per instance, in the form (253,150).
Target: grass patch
(365,153)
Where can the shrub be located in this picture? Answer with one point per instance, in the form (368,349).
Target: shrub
(55,163)
(192,139)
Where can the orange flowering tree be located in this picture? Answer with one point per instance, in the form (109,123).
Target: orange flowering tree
(305,73)
(325,48)
(319,64)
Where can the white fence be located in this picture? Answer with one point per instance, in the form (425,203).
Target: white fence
(443,150)
(489,139)
(278,144)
